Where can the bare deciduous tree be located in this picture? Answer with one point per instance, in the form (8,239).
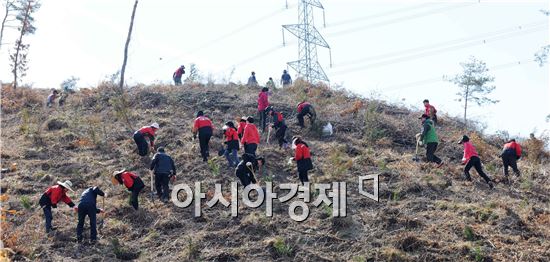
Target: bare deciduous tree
(10,7)
(123,69)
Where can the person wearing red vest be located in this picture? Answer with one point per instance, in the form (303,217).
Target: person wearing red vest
(132,182)
(471,159)
(430,111)
(203,126)
(263,103)
(511,153)
(139,138)
(251,137)
(51,197)
(232,142)
(178,74)
(279,124)
(302,156)
(240,129)
(305,108)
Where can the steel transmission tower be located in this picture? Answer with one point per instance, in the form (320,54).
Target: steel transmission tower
(307,64)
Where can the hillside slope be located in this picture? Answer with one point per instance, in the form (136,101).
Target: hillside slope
(424,213)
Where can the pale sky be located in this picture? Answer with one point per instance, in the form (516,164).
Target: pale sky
(398,50)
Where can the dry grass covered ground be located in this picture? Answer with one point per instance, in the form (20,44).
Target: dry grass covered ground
(424,213)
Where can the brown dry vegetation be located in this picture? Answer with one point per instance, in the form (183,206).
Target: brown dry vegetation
(424,213)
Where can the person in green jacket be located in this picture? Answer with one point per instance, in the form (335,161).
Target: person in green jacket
(270,84)
(430,139)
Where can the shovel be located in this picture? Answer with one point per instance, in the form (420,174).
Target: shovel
(152,187)
(268,134)
(101,222)
(416,158)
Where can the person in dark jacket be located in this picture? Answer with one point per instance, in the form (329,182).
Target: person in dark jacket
(164,169)
(232,143)
(246,169)
(279,125)
(471,159)
(178,74)
(252,82)
(132,182)
(51,197)
(305,109)
(511,153)
(286,80)
(302,156)
(430,139)
(88,207)
(139,138)
(203,126)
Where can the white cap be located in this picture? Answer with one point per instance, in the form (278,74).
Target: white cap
(155,125)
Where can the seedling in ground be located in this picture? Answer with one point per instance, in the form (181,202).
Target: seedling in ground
(282,248)
(469,233)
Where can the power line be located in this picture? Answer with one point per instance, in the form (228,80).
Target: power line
(442,78)
(214,41)
(429,53)
(369,17)
(397,20)
(445,43)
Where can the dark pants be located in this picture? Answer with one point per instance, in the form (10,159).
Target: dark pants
(231,156)
(307,110)
(134,198)
(476,163)
(161,184)
(510,160)
(90,210)
(262,117)
(143,147)
(48,217)
(205,133)
(246,178)
(430,153)
(177,81)
(250,148)
(303,176)
(280,135)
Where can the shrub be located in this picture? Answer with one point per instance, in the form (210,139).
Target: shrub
(26,202)
(282,248)
(469,233)
(214,167)
(535,148)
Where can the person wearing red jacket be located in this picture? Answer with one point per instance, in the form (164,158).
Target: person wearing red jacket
(471,159)
(251,137)
(132,182)
(511,153)
(430,111)
(51,197)
(240,129)
(263,103)
(302,156)
(203,126)
(178,74)
(139,138)
(232,142)
(305,108)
